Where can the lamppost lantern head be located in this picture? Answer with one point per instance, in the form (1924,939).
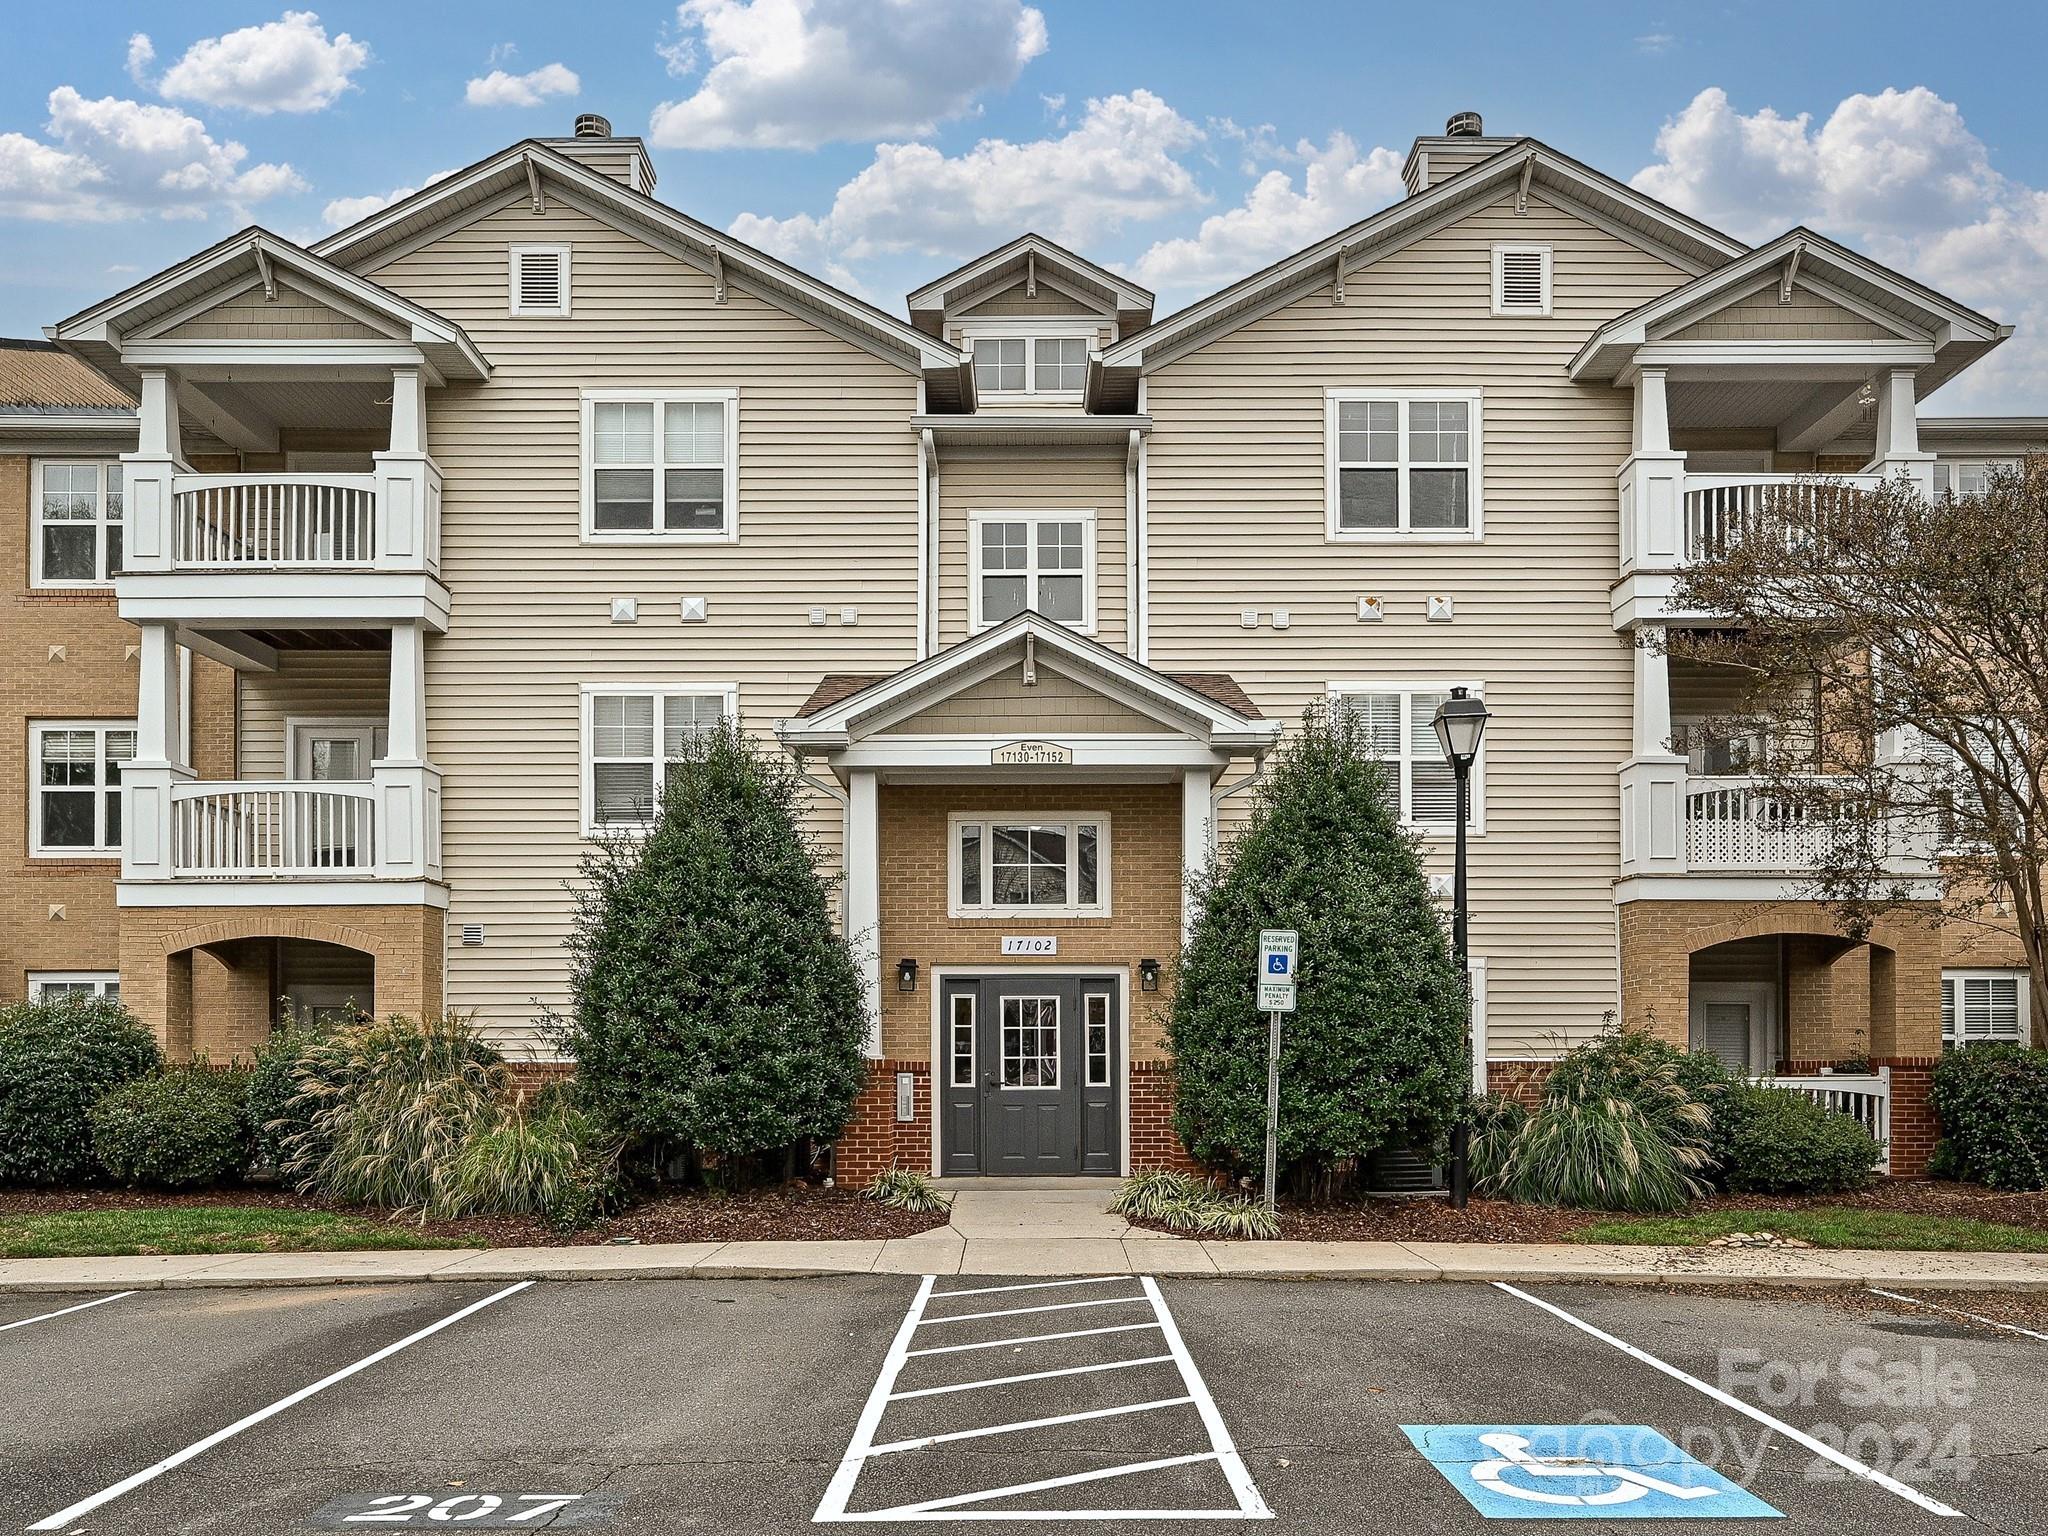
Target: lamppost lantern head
(1460,723)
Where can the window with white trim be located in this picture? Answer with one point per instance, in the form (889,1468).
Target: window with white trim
(660,465)
(1043,561)
(1015,866)
(631,735)
(1031,357)
(1403,466)
(540,280)
(1967,477)
(1031,1042)
(77,537)
(75,799)
(960,1042)
(1980,1006)
(1521,279)
(48,986)
(1095,1037)
(1399,720)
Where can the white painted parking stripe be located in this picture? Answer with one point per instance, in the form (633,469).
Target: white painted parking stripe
(1060,1306)
(833,1505)
(956,1500)
(1032,1338)
(98,1301)
(1034,1285)
(1989,1322)
(1023,1424)
(1005,1381)
(1848,1464)
(72,1513)
(1233,1466)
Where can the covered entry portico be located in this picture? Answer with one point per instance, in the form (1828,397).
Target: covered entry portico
(1021,812)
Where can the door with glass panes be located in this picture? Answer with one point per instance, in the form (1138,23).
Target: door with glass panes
(1031,1075)
(331,832)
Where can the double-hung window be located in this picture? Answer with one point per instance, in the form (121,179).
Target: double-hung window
(1399,723)
(1979,1006)
(660,465)
(1031,357)
(631,734)
(1403,466)
(52,986)
(1966,477)
(78,523)
(1041,561)
(1045,866)
(75,798)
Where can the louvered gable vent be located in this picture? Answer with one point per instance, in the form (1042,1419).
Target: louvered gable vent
(540,280)
(1521,279)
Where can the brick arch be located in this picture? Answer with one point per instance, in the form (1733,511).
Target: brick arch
(267,923)
(1764,924)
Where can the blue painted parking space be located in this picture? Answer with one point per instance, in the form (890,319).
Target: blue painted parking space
(1580,1471)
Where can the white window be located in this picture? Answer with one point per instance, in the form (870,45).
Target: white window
(75,800)
(960,1042)
(1030,357)
(49,985)
(1403,466)
(1043,561)
(1521,279)
(1095,1037)
(540,280)
(1399,720)
(630,734)
(999,365)
(660,465)
(1966,477)
(1031,1042)
(77,538)
(1059,364)
(1043,866)
(1978,1006)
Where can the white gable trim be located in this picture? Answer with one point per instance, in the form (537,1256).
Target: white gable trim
(1123,294)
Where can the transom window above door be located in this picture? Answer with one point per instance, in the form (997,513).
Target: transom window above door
(1403,467)
(1044,562)
(1045,866)
(660,465)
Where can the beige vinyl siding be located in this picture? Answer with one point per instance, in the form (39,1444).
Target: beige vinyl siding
(1056,703)
(322,685)
(1017,480)
(293,316)
(1236,521)
(1760,317)
(1016,300)
(828,518)
(1444,162)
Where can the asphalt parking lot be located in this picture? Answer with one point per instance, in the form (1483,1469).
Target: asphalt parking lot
(743,1406)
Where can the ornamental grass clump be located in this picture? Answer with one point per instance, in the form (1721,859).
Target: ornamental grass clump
(1182,1203)
(903,1189)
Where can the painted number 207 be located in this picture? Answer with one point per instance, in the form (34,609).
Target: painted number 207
(402,1508)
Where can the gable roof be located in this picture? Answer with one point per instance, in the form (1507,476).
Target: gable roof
(999,268)
(96,334)
(41,376)
(1617,206)
(531,165)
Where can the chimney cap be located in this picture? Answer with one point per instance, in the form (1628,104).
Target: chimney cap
(1464,125)
(589,125)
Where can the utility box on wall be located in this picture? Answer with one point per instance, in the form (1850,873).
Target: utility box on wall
(906,1097)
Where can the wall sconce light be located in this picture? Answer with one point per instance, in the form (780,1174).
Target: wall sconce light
(1148,975)
(906,975)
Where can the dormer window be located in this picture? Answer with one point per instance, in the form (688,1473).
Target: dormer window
(1035,358)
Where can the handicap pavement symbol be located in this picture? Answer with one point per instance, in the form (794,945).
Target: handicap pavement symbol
(1580,1471)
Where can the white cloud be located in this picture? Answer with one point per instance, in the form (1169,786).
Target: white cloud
(794,74)
(1116,166)
(344,211)
(287,65)
(1655,43)
(1339,186)
(141,54)
(498,89)
(1897,175)
(113,159)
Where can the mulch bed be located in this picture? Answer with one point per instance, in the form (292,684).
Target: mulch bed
(798,1212)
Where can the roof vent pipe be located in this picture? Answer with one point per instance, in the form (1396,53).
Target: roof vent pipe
(1462,125)
(590,126)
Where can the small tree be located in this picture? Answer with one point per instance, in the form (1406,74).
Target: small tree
(1895,654)
(716,1009)
(1375,1054)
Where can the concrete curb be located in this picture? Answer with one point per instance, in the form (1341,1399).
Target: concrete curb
(1140,1254)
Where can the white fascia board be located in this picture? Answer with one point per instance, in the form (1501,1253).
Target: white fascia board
(1740,888)
(1847,356)
(284,599)
(280,893)
(1090,752)
(934,295)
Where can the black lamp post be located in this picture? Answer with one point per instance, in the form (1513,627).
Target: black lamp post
(1460,723)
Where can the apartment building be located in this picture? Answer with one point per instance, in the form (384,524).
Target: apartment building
(483,504)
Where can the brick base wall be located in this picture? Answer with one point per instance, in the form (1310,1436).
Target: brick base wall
(1153,1143)
(1521,1080)
(874,1141)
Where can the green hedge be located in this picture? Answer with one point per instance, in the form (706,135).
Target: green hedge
(1993,1104)
(180,1129)
(1778,1141)
(58,1058)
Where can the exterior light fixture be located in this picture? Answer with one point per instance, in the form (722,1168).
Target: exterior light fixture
(906,975)
(1460,723)
(1148,975)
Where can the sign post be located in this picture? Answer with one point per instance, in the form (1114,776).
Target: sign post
(1279,954)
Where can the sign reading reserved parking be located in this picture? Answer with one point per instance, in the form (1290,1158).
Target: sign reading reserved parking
(1580,1471)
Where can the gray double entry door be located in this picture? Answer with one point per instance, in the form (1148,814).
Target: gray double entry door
(1030,1074)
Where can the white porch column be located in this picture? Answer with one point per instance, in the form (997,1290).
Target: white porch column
(1653,778)
(1898,432)
(148,542)
(407,787)
(408,483)
(159,765)
(862,896)
(1652,484)
(1197,835)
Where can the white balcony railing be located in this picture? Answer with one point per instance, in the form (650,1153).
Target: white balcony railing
(273,522)
(1721,509)
(1731,823)
(244,831)
(1866,1096)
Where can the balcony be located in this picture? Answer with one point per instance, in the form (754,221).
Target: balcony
(1731,823)
(273,522)
(246,831)
(1721,510)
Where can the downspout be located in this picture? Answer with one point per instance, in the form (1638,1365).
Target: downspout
(1131,646)
(928,632)
(1141,601)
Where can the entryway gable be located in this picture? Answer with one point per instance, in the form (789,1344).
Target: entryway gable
(1005,701)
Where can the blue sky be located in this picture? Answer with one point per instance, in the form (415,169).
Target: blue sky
(879,142)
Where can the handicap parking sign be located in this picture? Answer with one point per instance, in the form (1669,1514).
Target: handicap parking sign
(1580,1471)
